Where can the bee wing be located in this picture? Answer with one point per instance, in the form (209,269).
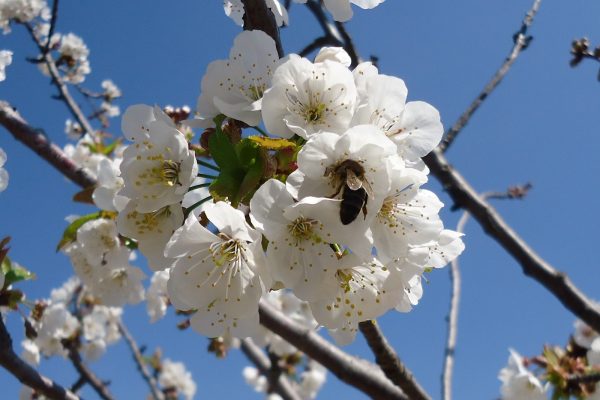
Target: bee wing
(353,181)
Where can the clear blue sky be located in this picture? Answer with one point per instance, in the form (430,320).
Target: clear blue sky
(541,125)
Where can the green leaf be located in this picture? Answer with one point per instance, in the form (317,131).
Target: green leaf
(222,151)
(13,272)
(70,234)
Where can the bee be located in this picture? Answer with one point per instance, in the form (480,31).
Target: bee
(349,176)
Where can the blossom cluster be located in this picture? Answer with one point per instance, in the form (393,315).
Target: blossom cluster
(330,206)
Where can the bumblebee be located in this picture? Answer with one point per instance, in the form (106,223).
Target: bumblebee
(349,177)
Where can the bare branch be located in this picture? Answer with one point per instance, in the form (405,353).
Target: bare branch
(578,379)
(513,192)
(316,44)
(521,41)
(37,141)
(492,223)
(25,373)
(348,44)
(139,361)
(258,16)
(86,373)
(354,371)
(335,34)
(277,382)
(388,360)
(60,84)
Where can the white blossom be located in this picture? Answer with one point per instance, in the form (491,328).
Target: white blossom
(158,168)
(56,324)
(337,54)
(235,86)
(83,156)
(31,352)
(299,254)
(408,216)
(222,276)
(5,61)
(415,126)
(312,380)
(3,173)
(174,375)
(73,129)
(111,91)
(152,230)
(360,296)
(74,55)
(105,195)
(518,383)
(156,295)
(584,335)
(65,293)
(21,11)
(307,98)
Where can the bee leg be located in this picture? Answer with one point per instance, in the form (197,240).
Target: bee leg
(336,192)
(364,207)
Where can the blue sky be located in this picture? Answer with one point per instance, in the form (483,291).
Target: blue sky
(540,125)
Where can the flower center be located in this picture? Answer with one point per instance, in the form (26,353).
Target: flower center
(302,229)
(344,277)
(169,172)
(150,222)
(256,92)
(314,112)
(226,251)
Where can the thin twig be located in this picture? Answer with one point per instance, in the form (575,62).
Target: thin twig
(348,44)
(521,41)
(317,44)
(37,141)
(139,361)
(388,360)
(25,373)
(79,383)
(53,20)
(452,319)
(277,382)
(356,372)
(532,264)
(335,34)
(60,84)
(99,387)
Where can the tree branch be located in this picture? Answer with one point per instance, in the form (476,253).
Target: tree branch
(25,373)
(354,371)
(521,41)
(492,223)
(335,34)
(279,383)
(258,16)
(65,95)
(53,20)
(139,361)
(388,360)
(37,141)
(86,373)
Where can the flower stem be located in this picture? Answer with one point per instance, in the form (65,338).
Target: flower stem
(208,165)
(196,205)
(199,186)
(207,176)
